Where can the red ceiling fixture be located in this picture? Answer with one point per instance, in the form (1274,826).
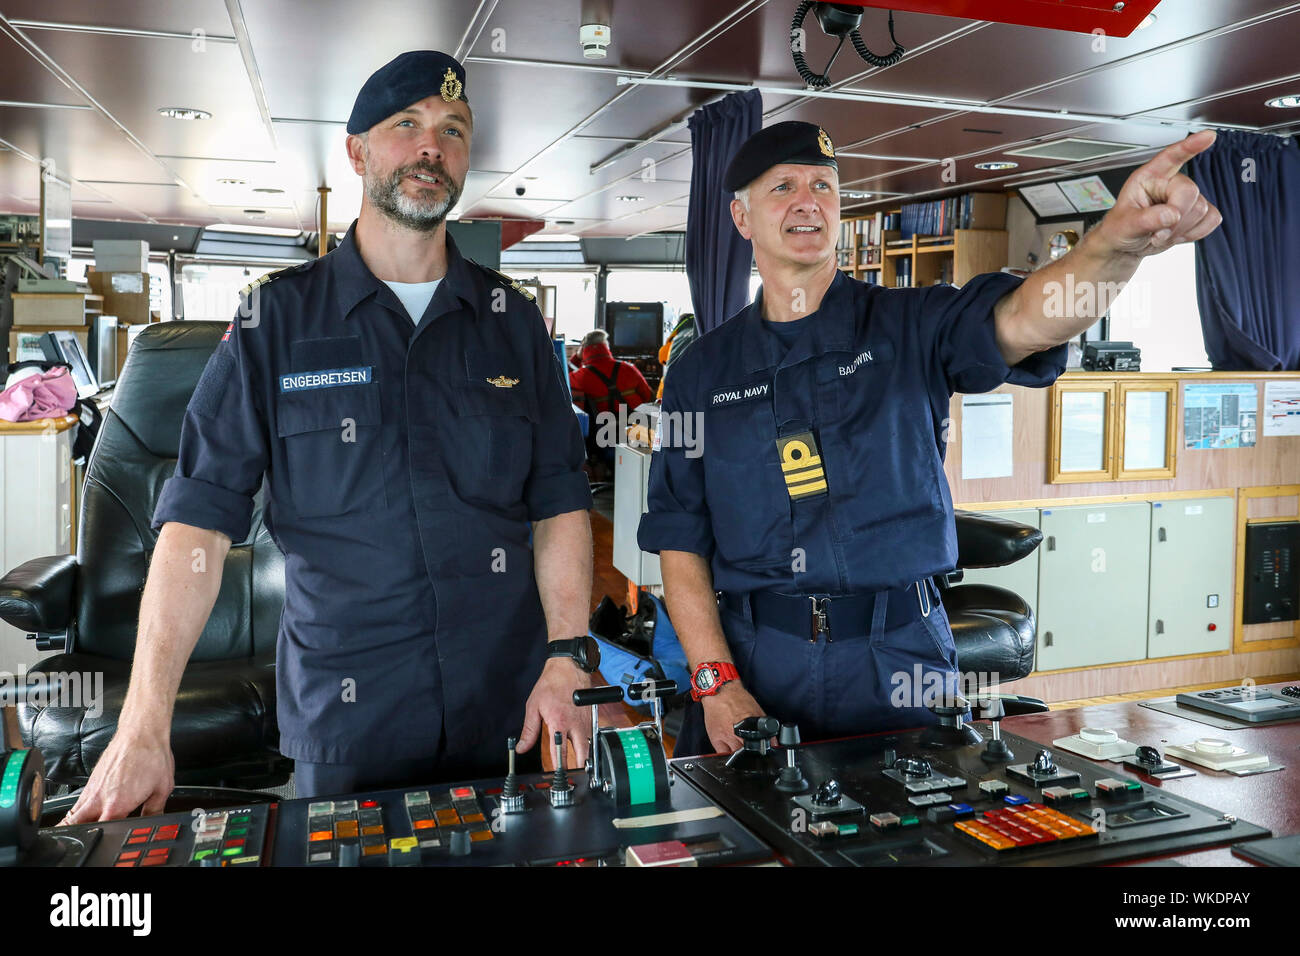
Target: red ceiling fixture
(1118,19)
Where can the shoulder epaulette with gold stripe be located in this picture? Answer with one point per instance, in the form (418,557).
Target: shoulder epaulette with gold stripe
(513,283)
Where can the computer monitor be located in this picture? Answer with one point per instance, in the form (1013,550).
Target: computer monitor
(635,327)
(64,347)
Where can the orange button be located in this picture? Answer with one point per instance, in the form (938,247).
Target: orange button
(320,835)
(424,824)
(472,818)
(372,831)
(478,836)
(373,850)
(447,817)
(346,830)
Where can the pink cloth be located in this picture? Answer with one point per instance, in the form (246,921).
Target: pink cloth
(46,395)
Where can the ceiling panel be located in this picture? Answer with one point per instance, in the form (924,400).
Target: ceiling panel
(163,15)
(1247,56)
(135,76)
(314,57)
(82,144)
(961,69)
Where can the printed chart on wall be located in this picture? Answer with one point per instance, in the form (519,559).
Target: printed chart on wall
(1222,415)
(1281,409)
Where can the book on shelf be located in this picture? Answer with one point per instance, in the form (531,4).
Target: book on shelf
(943,217)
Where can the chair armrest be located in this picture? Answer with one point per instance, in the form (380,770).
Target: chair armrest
(37,596)
(1017,705)
(987,541)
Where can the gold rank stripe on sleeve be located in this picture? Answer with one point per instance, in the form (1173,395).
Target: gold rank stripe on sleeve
(801,465)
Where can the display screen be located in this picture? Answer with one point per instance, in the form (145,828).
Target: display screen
(1254,706)
(636,329)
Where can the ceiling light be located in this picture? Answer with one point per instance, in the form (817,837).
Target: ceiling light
(231,181)
(176,238)
(847,194)
(1150,19)
(255,213)
(253,230)
(269,190)
(630,198)
(184,113)
(564,222)
(997,166)
(1289,102)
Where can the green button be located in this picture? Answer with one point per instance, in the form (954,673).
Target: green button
(242,818)
(848,829)
(237,832)
(232,851)
(909,821)
(200,854)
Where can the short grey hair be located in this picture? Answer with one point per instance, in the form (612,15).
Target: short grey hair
(743,196)
(595,337)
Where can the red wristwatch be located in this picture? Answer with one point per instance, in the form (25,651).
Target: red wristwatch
(711,675)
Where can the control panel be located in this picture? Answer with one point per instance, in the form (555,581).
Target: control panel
(955,797)
(1272,587)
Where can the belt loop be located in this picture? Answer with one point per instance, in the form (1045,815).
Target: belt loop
(878,610)
(923,599)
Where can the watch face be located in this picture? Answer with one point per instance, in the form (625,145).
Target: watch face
(590,653)
(706,678)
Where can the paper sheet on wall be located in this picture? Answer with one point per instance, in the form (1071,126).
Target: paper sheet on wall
(1220,415)
(1144,430)
(986,432)
(1281,409)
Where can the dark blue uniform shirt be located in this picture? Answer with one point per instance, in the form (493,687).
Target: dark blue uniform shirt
(402,467)
(870,375)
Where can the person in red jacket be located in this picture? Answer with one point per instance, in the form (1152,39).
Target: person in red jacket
(604,384)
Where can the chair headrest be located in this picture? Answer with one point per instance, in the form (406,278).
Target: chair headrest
(161,371)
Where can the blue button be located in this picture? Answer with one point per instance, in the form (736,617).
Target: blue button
(1015,799)
(961,809)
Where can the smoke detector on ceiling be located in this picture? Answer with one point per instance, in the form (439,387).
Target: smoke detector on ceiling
(595,40)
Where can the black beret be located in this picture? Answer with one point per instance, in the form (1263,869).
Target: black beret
(404,80)
(790,142)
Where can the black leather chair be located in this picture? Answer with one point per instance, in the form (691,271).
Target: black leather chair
(86,605)
(993,628)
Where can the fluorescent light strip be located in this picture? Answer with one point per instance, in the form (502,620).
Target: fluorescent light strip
(118,31)
(19,104)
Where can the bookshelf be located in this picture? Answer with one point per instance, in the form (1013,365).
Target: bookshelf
(872,253)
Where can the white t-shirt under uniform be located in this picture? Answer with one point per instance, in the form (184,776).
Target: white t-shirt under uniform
(416,296)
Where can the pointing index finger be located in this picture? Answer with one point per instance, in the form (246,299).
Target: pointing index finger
(1167,163)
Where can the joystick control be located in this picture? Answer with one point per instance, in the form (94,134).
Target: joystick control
(827,793)
(755,735)
(512,800)
(791,778)
(561,788)
(950,729)
(996,750)
(1044,765)
(912,766)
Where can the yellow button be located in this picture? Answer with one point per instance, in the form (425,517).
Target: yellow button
(404,844)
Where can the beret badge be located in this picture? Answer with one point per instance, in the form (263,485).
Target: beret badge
(824,144)
(451,87)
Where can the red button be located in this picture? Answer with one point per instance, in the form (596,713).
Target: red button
(139,830)
(123,864)
(137,839)
(159,851)
(153,861)
(367,804)
(170,830)
(129,855)
(1213,627)
(462,791)
(239,842)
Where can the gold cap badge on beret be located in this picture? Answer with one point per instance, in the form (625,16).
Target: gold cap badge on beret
(451,87)
(824,143)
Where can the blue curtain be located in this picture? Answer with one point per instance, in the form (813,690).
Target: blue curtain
(717,258)
(1248,270)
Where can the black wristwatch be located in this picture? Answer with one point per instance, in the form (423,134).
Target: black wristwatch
(583,651)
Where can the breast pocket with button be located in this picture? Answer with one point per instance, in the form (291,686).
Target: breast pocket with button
(493,447)
(744,486)
(333,449)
